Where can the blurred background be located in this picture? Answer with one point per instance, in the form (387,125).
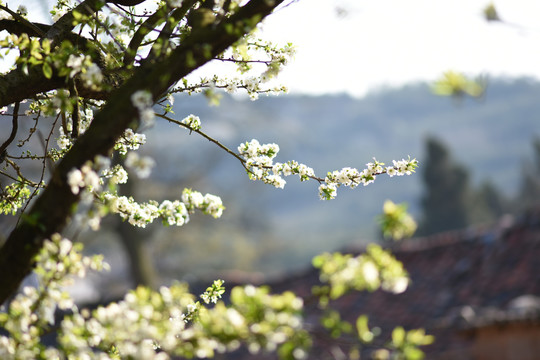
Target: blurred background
(361,87)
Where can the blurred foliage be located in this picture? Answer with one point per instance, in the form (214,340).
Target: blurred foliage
(490,13)
(396,223)
(407,342)
(458,85)
(374,269)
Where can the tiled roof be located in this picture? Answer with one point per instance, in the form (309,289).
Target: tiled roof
(459,279)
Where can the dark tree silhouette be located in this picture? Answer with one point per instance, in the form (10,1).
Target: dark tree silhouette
(446,183)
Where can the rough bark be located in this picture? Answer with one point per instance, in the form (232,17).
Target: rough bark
(51,211)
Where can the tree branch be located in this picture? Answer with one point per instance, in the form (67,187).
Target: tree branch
(65,24)
(18,28)
(22,21)
(148,25)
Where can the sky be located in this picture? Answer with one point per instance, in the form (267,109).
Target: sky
(392,42)
(357,46)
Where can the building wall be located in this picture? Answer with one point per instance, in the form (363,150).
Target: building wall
(519,341)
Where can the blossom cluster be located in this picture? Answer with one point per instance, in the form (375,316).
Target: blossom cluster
(259,160)
(142,100)
(150,324)
(137,214)
(32,310)
(213,293)
(132,326)
(22,10)
(141,165)
(281,324)
(245,51)
(171,212)
(402,167)
(211,296)
(293,167)
(174,212)
(252,84)
(82,178)
(209,204)
(194,122)
(257,60)
(351,177)
(116,174)
(88,71)
(129,140)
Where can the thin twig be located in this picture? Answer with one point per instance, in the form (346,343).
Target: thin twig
(207,137)
(14,127)
(31,131)
(75,115)
(207,85)
(96,19)
(26,157)
(211,139)
(24,180)
(44,162)
(145,15)
(19,174)
(266,62)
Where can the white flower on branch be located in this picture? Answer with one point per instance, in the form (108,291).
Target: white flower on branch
(194,122)
(141,165)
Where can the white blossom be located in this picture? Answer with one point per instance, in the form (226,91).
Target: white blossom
(92,76)
(327,191)
(64,142)
(130,140)
(75,62)
(175,3)
(141,99)
(117,175)
(22,10)
(75,180)
(194,122)
(147,117)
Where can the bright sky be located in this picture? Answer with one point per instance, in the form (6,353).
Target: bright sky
(374,44)
(392,42)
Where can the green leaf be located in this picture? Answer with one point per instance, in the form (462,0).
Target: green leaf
(77,15)
(362,328)
(398,337)
(47,70)
(412,353)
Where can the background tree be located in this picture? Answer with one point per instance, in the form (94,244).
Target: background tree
(450,201)
(487,204)
(444,205)
(529,194)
